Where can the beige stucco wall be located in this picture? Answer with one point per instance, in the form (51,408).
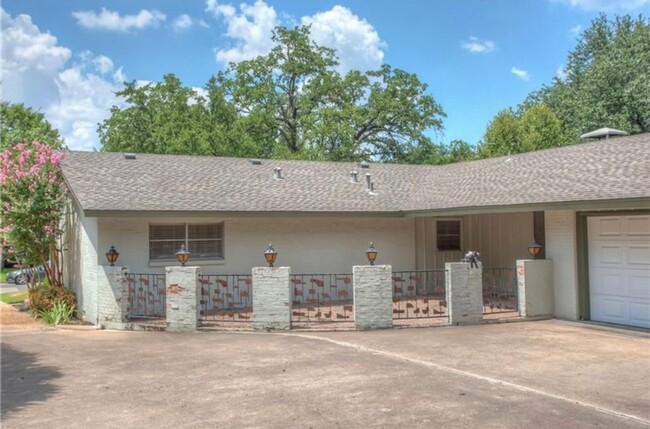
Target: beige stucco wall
(306,244)
(561,248)
(500,238)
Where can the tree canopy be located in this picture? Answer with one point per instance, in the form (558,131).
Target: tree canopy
(290,103)
(605,84)
(21,124)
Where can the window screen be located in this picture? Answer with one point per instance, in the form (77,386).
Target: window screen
(204,241)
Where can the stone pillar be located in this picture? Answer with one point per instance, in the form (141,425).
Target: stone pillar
(182,298)
(373,296)
(464,293)
(271,298)
(535,287)
(112,296)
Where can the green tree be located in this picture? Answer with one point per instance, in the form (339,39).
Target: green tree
(20,124)
(533,127)
(290,103)
(607,80)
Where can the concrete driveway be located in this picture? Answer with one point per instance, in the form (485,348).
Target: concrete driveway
(544,374)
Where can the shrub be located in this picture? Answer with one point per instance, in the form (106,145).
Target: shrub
(44,298)
(59,313)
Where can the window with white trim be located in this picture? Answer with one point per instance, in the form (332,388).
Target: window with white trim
(204,241)
(448,235)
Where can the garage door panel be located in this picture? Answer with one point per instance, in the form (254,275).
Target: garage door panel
(639,226)
(640,314)
(608,227)
(638,254)
(610,309)
(619,269)
(639,286)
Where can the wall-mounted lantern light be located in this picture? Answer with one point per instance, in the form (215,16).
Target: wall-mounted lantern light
(534,248)
(112,255)
(270,254)
(183,255)
(371,253)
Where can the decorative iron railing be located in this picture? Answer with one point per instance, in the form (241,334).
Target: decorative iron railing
(499,290)
(419,294)
(321,298)
(146,295)
(226,297)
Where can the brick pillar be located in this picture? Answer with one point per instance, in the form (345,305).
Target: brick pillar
(535,287)
(112,296)
(373,296)
(271,298)
(464,293)
(182,298)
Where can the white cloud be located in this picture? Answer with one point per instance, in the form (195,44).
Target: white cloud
(576,30)
(182,22)
(521,74)
(475,45)
(74,98)
(108,20)
(357,43)
(604,5)
(29,60)
(250,29)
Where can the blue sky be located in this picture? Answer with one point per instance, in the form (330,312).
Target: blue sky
(67,58)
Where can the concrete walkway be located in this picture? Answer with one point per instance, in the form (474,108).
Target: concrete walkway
(539,374)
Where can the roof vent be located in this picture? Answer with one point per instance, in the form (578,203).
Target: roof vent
(603,133)
(277,173)
(370,184)
(129,156)
(354,177)
(364,164)
(255,161)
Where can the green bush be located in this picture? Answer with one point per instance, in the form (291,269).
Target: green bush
(44,298)
(60,313)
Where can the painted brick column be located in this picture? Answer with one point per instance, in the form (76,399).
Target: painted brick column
(182,298)
(373,296)
(464,293)
(112,296)
(271,298)
(535,287)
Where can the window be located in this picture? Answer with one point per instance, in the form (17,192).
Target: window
(448,235)
(204,241)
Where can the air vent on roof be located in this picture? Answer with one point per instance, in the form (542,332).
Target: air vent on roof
(256,161)
(354,177)
(129,156)
(277,173)
(603,133)
(363,164)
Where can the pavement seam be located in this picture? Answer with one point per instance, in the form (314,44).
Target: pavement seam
(473,375)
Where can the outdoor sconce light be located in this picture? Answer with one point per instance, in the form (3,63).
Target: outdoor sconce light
(371,253)
(534,248)
(112,255)
(183,255)
(270,255)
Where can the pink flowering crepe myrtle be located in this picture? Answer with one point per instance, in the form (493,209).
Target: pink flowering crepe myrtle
(32,196)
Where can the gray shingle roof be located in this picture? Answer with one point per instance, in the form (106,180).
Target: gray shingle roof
(605,170)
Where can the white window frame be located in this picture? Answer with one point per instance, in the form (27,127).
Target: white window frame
(165,261)
(460,234)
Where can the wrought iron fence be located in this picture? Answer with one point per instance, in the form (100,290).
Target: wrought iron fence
(322,298)
(226,297)
(419,294)
(499,290)
(146,295)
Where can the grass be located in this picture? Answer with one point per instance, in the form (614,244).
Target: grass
(14,297)
(3,274)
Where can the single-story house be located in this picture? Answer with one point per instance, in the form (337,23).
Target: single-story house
(588,205)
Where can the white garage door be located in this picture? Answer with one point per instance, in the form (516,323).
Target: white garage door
(619,269)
